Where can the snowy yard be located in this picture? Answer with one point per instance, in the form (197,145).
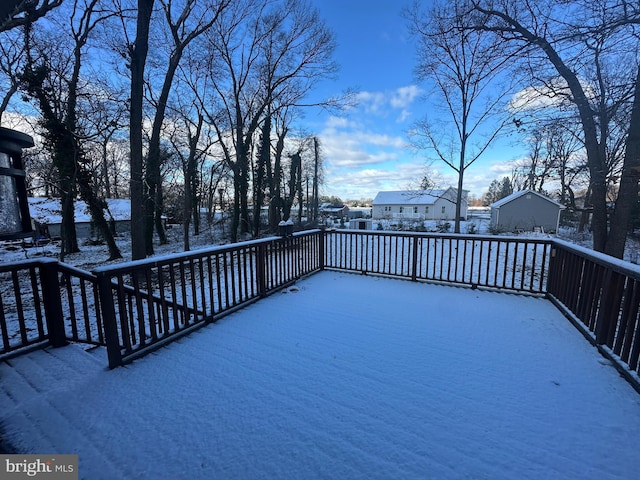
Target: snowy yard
(340,376)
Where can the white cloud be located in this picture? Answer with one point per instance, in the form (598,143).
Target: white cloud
(371,101)
(383,103)
(334,122)
(365,150)
(404,115)
(555,94)
(367,182)
(501,168)
(404,96)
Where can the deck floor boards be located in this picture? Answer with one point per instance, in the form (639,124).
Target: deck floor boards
(340,376)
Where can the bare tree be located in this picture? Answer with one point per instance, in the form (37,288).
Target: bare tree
(17,13)
(105,117)
(12,56)
(587,44)
(266,55)
(275,170)
(185,25)
(555,159)
(53,81)
(191,145)
(137,53)
(466,68)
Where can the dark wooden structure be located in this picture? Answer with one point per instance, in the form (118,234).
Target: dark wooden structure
(135,307)
(16,221)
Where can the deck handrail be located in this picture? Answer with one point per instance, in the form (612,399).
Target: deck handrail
(135,307)
(601,297)
(149,302)
(518,264)
(53,304)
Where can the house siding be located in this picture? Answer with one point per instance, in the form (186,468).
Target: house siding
(443,208)
(525,213)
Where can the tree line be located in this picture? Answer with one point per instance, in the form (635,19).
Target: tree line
(561,76)
(157,99)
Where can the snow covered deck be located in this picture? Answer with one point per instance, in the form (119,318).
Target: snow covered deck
(341,376)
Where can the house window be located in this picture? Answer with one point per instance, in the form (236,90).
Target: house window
(415,209)
(426,209)
(401,209)
(444,209)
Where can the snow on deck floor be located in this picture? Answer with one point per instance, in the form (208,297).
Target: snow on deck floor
(342,376)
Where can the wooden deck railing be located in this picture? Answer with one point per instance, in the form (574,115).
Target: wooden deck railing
(149,302)
(601,296)
(135,307)
(51,303)
(506,263)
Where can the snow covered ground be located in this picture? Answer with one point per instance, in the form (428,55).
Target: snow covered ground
(340,376)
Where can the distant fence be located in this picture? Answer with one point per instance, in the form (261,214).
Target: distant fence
(135,307)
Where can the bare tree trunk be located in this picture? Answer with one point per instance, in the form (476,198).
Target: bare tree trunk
(314,214)
(105,168)
(296,162)
(275,184)
(136,192)
(595,148)
(263,160)
(189,183)
(586,211)
(628,191)
(300,192)
(68,222)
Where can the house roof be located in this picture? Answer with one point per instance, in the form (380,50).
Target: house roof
(519,194)
(408,197)
(49,211)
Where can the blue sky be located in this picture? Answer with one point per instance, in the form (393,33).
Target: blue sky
(365,148)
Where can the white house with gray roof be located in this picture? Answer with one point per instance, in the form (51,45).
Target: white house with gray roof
(418,205)
(525,210)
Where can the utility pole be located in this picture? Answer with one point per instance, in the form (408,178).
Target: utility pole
(314,214)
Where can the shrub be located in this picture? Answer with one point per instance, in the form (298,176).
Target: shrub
(444,227)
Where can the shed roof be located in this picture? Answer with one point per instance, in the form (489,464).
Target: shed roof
(519,194)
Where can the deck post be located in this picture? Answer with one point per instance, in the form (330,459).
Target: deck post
(553,270)
(52,302)
(414,258)
(610,300)
(261,270)
(321,252)
(109,320)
